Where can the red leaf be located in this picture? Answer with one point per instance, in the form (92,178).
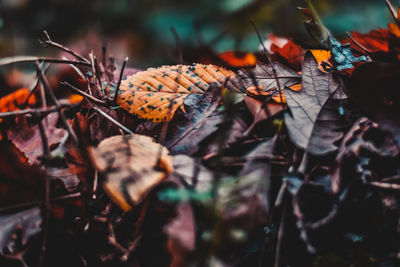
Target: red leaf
(291,52)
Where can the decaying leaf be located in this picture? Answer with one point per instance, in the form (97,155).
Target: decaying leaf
(18,228)
(132,165)
(156,93)
(29,141)
(307,103)
(261,78)
(367,153)
(334,118)
(200,121)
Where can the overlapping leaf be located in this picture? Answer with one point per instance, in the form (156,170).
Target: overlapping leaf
(263,79)
(200,121)
(335,117)
(156,93)
(306,104)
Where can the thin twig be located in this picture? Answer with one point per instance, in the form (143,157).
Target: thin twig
(98,78)
(104,54)
(269,59)
(366,50)
(393,12)
(27,59)
(27,205)
(391,178)
(385,185)
(49,42)
(46,158)
(50,92)
(281,233)
(121,74)
(33,111)
(178,45)
(112,120)
(82,93)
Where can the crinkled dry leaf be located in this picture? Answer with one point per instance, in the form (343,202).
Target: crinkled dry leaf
(156,93)
(132,165)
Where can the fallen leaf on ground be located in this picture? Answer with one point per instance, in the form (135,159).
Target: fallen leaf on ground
(27,138)
(132,165)
(307,103)
(156,93)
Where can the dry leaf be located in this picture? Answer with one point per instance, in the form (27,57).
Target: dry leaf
(15,100)
(156,93)
(132,165)
(238,59)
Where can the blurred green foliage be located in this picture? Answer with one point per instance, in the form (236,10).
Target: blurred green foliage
(140,29)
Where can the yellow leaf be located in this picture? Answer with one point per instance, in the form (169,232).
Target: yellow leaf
(156,94)
(133,165)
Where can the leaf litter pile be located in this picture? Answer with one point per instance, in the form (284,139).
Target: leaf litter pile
(289,156)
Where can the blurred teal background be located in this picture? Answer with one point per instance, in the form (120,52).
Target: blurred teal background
(140,29)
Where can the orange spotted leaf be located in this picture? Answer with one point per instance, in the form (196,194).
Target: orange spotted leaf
(156,94)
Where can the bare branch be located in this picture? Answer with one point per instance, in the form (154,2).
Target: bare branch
(50,92)
(82,93)
(108,117)
(34,111)
(27,59)
(48,42)
(119,80)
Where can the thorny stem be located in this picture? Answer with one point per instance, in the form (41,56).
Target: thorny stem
(108,117)
(50,92)
(121,74)
(49,42)
(82,93)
